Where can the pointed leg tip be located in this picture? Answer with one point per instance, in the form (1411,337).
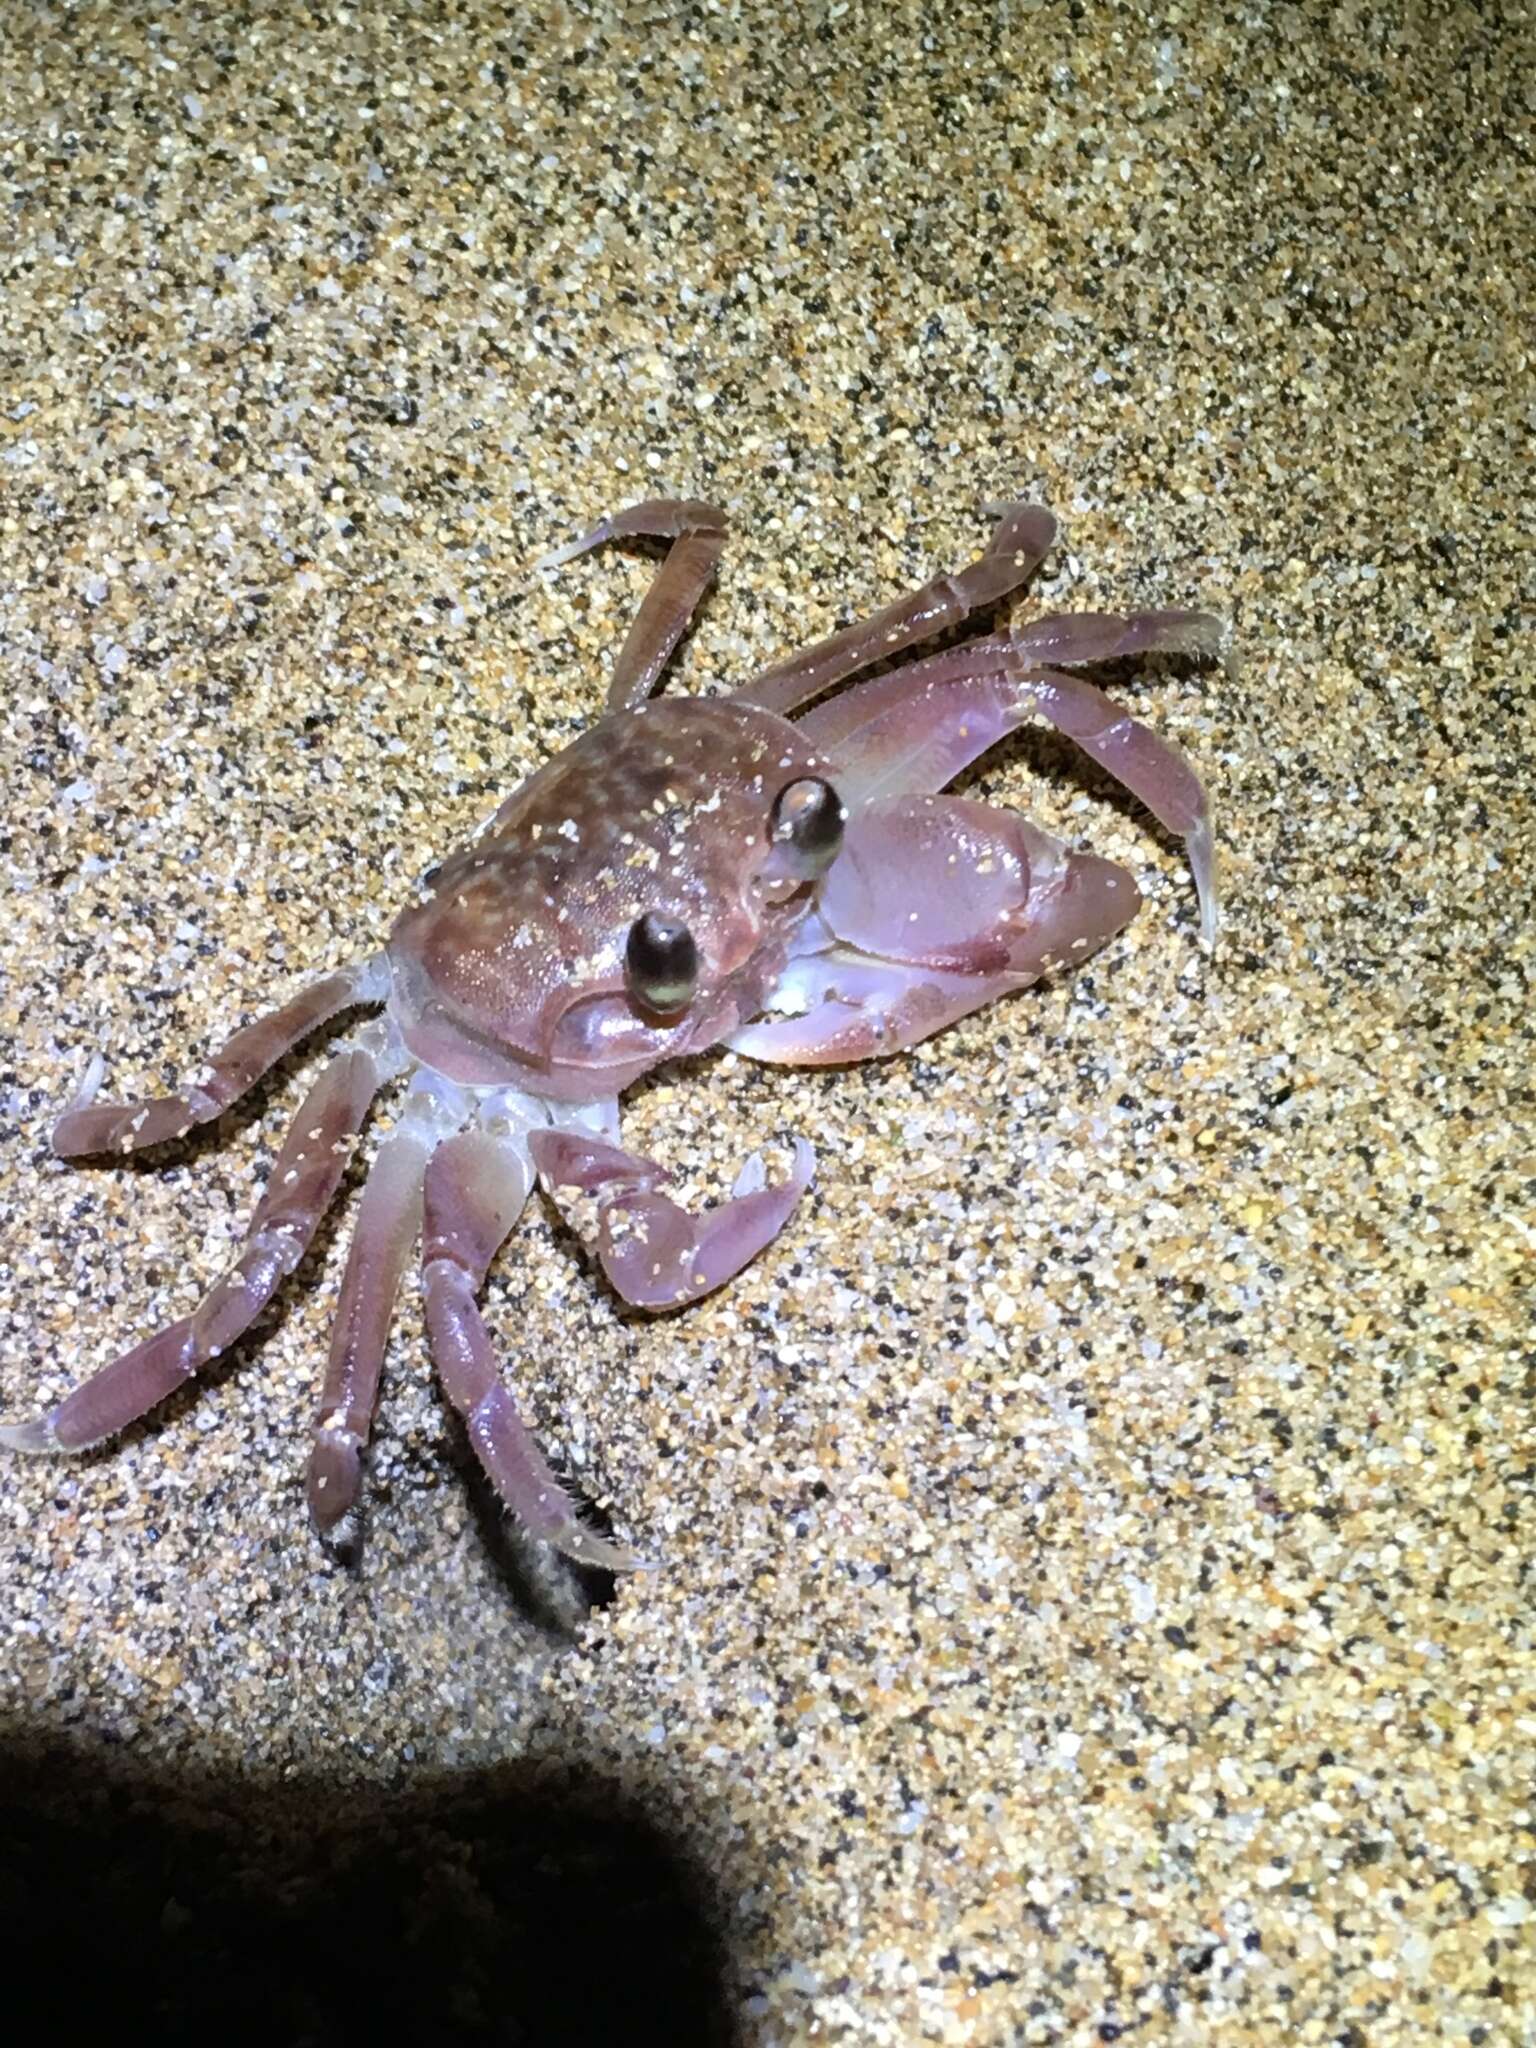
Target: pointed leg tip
(332,1485)
(753,1177)
(334,1512)
(29,1437)
(555,559)
(585,1547)
(558,557)
(1036,526)
(83,1098)
(630,1563)
(1200,845)
(1199,636)
(342,1539)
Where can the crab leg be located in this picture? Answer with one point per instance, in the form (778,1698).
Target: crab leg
(387,1223)
(476,1186)
(1066,639)
(914,730)
(655,1253)
(1045,641)
(306,1176)
(697,533)
(1023,538)
(134,1126)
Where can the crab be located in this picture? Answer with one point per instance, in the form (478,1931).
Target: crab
(735,870)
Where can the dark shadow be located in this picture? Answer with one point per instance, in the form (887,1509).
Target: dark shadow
(145,1906)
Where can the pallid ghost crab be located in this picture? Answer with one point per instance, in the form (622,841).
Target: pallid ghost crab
(685,874)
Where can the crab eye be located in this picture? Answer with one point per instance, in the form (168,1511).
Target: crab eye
(806,826)
(661,963)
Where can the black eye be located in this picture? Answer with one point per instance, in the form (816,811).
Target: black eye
(806,826)
(661,963)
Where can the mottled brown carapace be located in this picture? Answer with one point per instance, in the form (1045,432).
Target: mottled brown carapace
(510,965)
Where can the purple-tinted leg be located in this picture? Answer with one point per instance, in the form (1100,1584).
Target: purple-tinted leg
(935,907)
(306,1176)
(133,1126)
(1062,640)
(475,1189)
(655,1253)
(697,533)
(388,1220)
(914,730)
(1067,639)
(1023,538)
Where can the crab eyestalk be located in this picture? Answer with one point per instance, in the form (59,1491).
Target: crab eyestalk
(805,830)
(661,964)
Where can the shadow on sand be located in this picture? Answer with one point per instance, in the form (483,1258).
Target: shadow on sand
(503,1908)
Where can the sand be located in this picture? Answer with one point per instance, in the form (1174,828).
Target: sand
(1092,1537)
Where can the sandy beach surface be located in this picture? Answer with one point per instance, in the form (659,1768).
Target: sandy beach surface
(1094,1539)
